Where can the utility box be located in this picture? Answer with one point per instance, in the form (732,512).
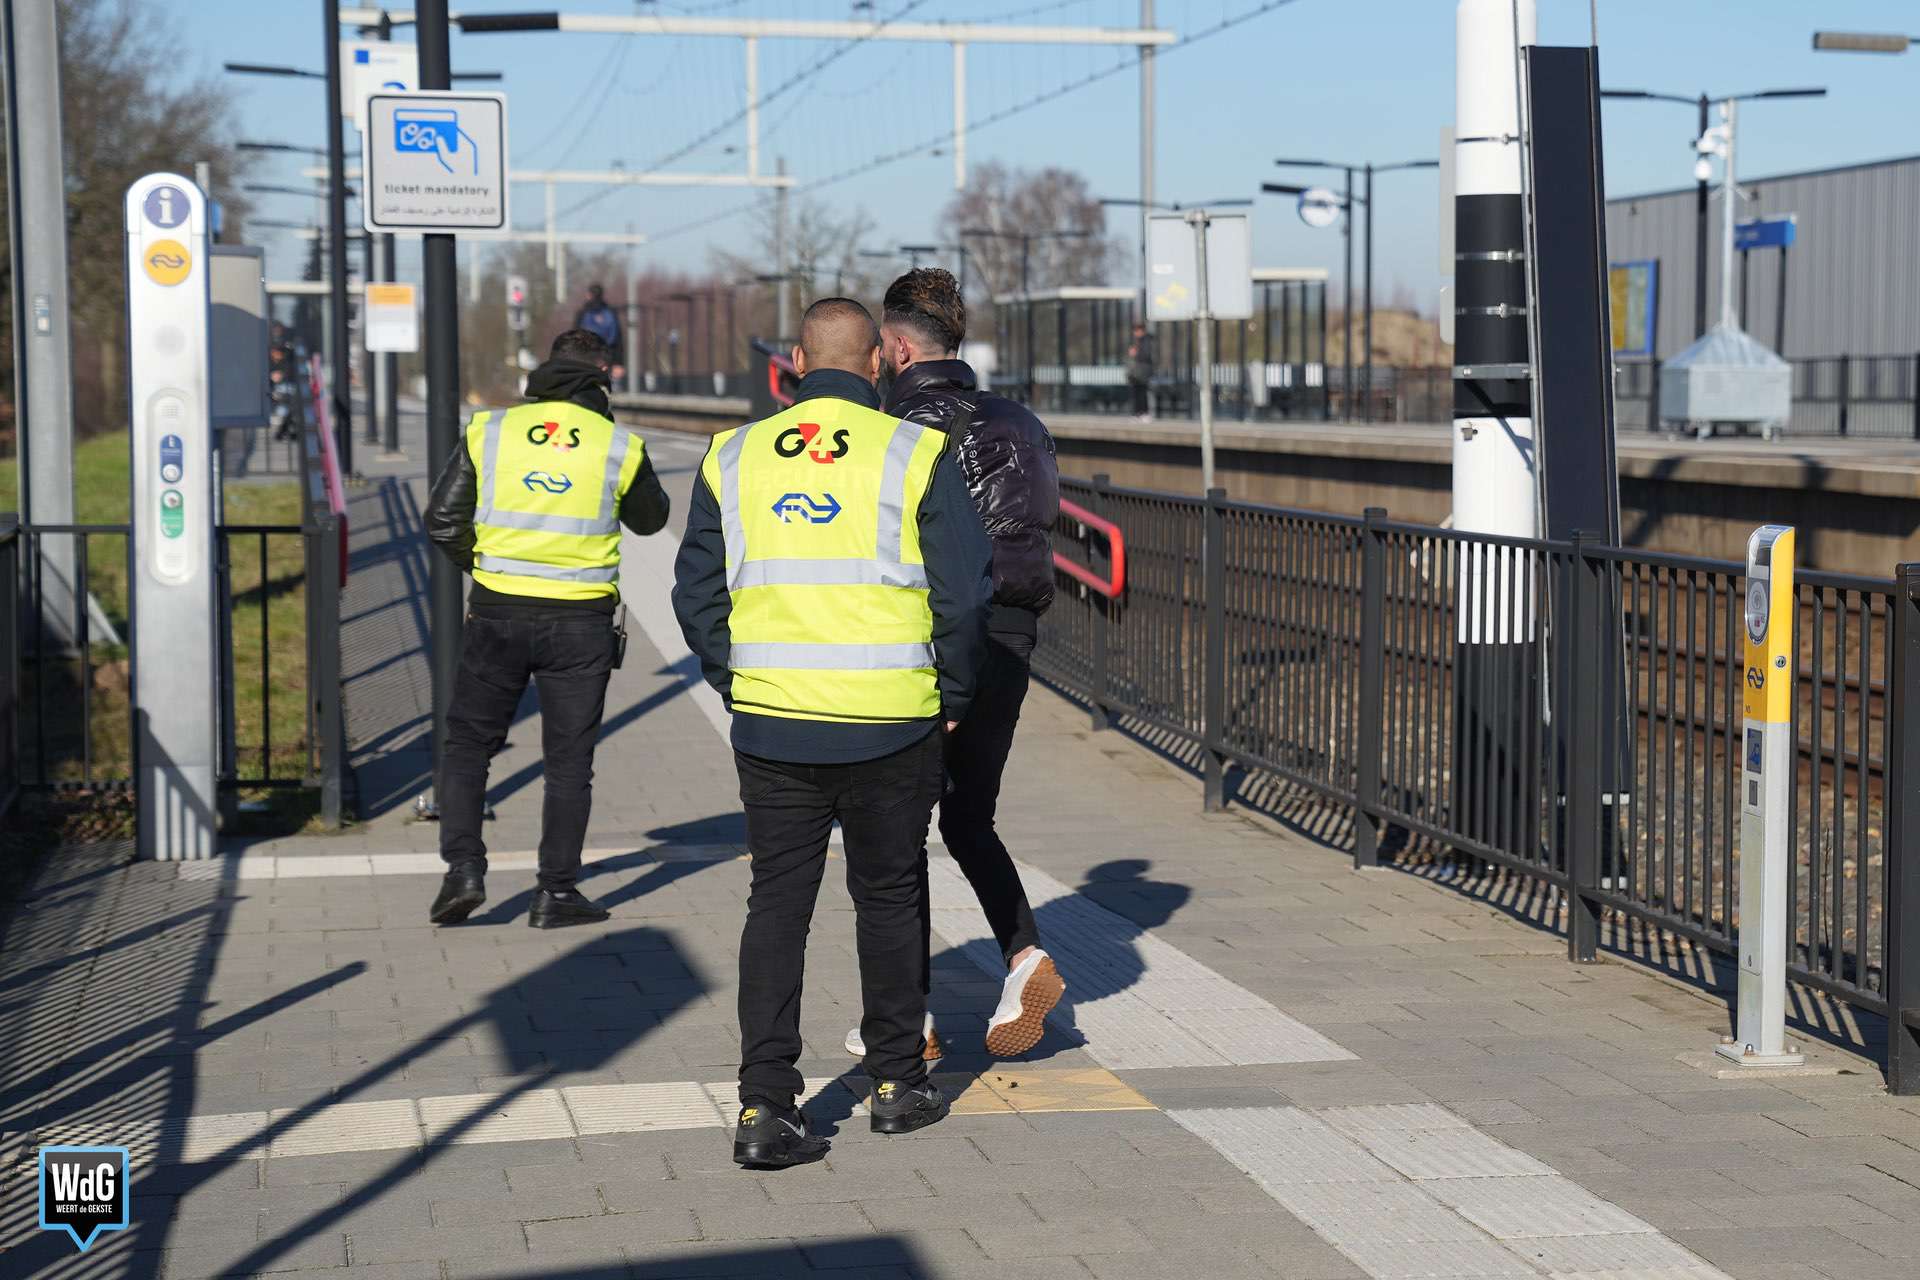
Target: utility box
(1727,378)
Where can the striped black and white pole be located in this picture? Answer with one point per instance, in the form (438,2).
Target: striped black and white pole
(1494,479)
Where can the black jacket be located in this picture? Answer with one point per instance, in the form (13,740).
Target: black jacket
(957,557)
(1007,459)
(643,508)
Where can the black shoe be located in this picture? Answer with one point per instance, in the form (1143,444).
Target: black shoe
(899,1107)
(558,908)
(460,893)
(771,1137)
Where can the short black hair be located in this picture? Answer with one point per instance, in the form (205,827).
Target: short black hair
(583,346)
(927,301)
(838,333)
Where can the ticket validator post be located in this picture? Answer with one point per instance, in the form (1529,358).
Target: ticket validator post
(1766,786)
(173,512)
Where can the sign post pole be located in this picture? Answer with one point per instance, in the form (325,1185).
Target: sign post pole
(168,377)
(1766,786)
(1203,331)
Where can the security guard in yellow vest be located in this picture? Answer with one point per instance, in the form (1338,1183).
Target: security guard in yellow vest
(532,507)
(834,584)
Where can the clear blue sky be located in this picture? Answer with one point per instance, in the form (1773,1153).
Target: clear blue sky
(1347,79)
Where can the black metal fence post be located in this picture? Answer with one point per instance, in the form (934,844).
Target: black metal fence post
(1580,703)
(323,661)
(1846,389)
(1214,659)
(1100,618)
(9,663)
(1903,835)
(1914,399)
(1373,678)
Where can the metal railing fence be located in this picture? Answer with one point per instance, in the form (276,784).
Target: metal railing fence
(1588,742)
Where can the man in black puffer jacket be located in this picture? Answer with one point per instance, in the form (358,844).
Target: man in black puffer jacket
(1007,458)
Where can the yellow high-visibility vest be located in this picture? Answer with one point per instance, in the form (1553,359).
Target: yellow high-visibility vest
(820,509)
(547,517)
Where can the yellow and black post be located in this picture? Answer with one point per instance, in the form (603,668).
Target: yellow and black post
(1766,789)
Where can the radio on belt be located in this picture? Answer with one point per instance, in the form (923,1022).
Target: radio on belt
(1766,781)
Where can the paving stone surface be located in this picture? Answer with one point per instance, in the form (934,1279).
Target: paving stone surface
(315,1082)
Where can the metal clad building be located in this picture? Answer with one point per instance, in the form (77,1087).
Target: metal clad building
(1853,274)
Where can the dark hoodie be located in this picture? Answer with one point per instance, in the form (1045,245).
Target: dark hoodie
(449,520)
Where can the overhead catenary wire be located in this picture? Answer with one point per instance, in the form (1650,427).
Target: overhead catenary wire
(792,82)
(998,117)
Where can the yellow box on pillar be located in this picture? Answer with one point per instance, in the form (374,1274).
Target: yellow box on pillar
(1766,789)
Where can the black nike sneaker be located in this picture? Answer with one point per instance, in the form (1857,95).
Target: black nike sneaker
(899,1107)
(772,1137)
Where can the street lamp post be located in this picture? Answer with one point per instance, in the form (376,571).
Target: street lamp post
(1365,199)
(1701,103)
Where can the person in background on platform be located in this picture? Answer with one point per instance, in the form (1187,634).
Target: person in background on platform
(600,319)
(532,505)
(1140,360)
(834,585)
(1007,459)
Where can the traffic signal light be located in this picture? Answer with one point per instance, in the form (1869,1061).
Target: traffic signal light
(517,303)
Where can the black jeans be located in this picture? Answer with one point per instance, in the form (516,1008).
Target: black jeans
(883,807)
(976,757)
(568,654)
(1142,400)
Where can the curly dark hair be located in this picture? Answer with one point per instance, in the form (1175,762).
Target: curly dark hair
(927,302)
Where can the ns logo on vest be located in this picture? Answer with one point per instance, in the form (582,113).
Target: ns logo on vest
(804,506)
(790,442)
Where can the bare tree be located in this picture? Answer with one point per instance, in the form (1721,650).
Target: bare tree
(1029,202)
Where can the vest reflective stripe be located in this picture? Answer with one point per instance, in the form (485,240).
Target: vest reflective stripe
(889,530)
(606,524)
(832,657)
(819,508)
(827,573)
(536,569)
(731,529)
(893,488)
(546,512)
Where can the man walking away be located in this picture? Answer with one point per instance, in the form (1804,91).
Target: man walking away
(599,318)
(1007,459)
(532,507)
(1140,361)
(834,584)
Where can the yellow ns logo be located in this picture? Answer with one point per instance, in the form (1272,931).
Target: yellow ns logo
(167,262)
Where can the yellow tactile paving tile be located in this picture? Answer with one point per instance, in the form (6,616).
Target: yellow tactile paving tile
(1063,1089)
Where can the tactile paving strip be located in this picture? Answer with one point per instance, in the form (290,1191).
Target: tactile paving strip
(1394,1225)
(641,1108)
(1137,1001)
(1522,1208)
(349,1126)
(489,1117)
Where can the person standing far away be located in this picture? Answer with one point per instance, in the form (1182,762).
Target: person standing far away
(532,507)
(599,318)
(1140,360)
(834,585)
(1007,459)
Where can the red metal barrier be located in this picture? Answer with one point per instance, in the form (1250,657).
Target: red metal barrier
(1116,581)
(777,365)
(329,458)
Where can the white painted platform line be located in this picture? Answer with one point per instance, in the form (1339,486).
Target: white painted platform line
(1412,1192)
(266,866)
(1136,1000)
(577,1111)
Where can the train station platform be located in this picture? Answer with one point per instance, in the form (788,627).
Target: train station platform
(1269,1064)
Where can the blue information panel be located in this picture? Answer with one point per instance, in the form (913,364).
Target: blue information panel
(1765,233)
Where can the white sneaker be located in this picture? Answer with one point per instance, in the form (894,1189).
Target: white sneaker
(858,1046)
(1030,993)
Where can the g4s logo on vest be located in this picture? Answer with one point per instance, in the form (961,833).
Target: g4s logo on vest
(793,440)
